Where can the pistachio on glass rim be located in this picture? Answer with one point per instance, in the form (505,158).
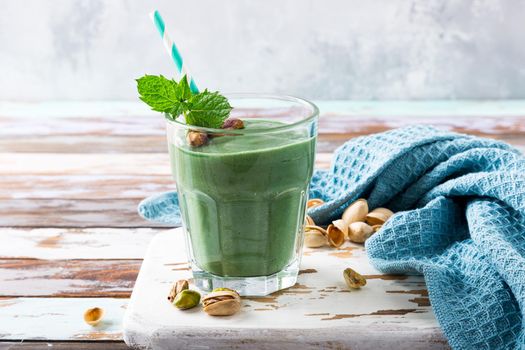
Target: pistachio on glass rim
(233,123)
(221,302)
(196,138)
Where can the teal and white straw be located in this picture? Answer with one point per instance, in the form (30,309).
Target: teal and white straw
(172,49)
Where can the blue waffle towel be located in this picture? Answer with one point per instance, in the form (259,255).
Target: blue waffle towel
(460,221)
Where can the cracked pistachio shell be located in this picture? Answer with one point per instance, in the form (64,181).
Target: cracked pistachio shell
(314,239)
(341,225)
(376,228)
(220,293)
(187,299)
(359,232)
(353,279)
(93,316)
(335,236)
(226,307)
(356,212)
(222,289)
(309,221)
(314,203)
(223,302)
(378,216)
(315,228)
(178,287)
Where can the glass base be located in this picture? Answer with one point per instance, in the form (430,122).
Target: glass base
(248,286)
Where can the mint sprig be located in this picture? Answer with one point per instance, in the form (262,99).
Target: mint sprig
(205,109)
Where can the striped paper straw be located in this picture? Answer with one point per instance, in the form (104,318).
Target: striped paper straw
(172,49)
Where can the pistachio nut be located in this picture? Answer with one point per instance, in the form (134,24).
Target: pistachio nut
(335,236)
(309,221)
(353,279)
(341,225)
(315,228)
(187,299)
(378,216)
(178,287)
(314,202)
(93,316)
(359,232)
(376,228)
(221,302)
(233,123)
(196,138)
(356,211)
(222,289)
(314,239)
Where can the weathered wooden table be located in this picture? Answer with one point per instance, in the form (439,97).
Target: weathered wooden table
(71,175)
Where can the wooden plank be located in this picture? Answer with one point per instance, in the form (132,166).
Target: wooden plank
(97,164)
(83,144)
(478,117)
(75,243)
(115,127)
(83,186)
(71,345)
(67,278)
(389,312)
(59,319)
(72,213)
(326,142)
(329,123)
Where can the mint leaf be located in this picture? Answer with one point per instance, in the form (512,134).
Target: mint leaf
(184,90)
(159,93)
(208,109)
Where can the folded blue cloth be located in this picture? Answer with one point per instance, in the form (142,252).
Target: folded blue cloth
(460,221)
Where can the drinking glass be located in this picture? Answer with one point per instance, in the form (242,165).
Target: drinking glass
(243,192)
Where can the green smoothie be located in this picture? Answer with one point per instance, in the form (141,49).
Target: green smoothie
(243,198)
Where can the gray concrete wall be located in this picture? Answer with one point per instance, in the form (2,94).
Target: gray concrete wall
(322,49)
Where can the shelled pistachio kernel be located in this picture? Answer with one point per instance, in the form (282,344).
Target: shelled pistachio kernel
(187,299)
(221,302)
(93,316)
(353,279)
(178,287)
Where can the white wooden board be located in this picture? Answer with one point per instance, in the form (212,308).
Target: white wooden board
(59,319)
(390,312)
